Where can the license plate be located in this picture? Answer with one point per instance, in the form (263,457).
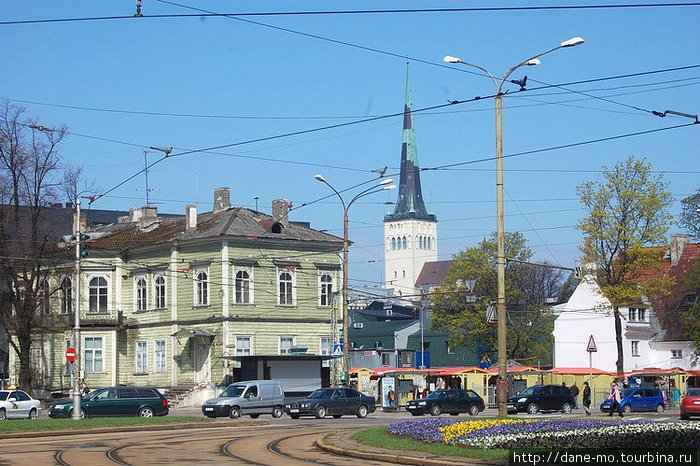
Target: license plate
(208,409)
(293,410)
(411,407)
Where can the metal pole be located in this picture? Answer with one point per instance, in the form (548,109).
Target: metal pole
(346,317)
(501,262)
(76,327)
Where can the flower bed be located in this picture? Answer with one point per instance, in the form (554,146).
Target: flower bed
(554,433)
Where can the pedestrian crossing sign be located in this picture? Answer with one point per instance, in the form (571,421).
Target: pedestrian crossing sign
(337,351)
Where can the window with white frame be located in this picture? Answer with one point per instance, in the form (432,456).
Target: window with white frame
(285,296)
(43,297)
(324,349)
(637,314)
(676,354)
(325,297)
(141,357)
(201,281)
(286,343)
(243,346)
(242,285)
(635,348)
(386,359)
(141,294)
(94,351)
(159,356)
(66,295)
(97,294)
(159,291)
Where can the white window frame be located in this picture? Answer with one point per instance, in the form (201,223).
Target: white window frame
(634,345)
(201,288)
(325,348)
(249,281)
(140,293)
(93,355)
(244,345)
(160,292)
(325,289)
(100,288)
(283,349)
(290,291)
(160,354)
(66,295)
(676,354)
(141,353)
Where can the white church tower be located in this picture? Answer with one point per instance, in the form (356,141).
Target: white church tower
(410,232)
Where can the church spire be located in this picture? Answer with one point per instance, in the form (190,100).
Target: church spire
(410,203)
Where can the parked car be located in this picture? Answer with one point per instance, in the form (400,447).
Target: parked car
(252,397)
(115,401)
(637,399)
(17,404)
(690,404)
(447,401)
(541,398)
(333,401)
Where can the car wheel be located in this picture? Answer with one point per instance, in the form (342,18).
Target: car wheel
(3,414)
(435,410)
(83,414)
(254,416)
(294,416)
(660,408)
(627,409)
(566,408)
(320,412)
(146,412)
(32,414)
(532,408)
(277,412)
(362,411)
(473,410)
(235,412)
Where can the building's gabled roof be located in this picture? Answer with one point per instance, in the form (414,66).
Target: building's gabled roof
(433,273)
(380,329)
(233,223)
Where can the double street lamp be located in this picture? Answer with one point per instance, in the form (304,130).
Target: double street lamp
(382,186)
(501,256)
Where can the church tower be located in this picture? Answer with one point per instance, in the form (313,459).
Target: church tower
(410,231)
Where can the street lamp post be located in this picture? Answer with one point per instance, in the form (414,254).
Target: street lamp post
(501,256)
(383,185)
(76,325)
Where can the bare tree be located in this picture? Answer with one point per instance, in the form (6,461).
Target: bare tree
(29,172)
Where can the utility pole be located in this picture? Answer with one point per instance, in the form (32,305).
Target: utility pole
(76,416)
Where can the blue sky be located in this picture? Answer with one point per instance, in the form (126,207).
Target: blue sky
(123,85)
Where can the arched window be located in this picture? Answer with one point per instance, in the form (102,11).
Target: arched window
(242,287)
(285,297)
(420,242)
(405,243)
(97,289)
(141,295)
(202,288)
(66,295)
(430,246)
(43,297)
(159,288)
(393,244)
(326,291)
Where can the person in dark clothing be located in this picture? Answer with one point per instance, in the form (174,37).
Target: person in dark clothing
(587,398)
(574,393)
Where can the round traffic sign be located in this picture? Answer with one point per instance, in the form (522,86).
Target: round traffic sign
(70,354)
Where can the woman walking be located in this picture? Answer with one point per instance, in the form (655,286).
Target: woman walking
(616,398)
(587,398)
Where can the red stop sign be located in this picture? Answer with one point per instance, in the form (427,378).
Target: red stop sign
(70,354)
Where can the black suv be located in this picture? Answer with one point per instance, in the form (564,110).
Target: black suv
(541,398)
(447,401)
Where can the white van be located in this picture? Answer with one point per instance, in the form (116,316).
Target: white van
(251,397)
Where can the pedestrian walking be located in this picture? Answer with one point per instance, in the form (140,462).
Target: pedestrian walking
(616,398)
(574,393)
(587,398)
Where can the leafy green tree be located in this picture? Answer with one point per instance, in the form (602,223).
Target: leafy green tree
(461,309)
(690,215)
(691,316)
(626,214)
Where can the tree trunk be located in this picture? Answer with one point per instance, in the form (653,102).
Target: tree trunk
(618,339)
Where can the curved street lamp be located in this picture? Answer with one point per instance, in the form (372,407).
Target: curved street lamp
(384,185)
(501,255)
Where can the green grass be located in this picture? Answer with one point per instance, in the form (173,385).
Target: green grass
(17,426)
(379,437)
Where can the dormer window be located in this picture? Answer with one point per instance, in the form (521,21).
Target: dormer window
(277,227)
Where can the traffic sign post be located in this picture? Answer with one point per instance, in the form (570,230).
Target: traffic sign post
(591,348)
(337,351)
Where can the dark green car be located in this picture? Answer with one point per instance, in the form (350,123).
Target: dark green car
(115,401)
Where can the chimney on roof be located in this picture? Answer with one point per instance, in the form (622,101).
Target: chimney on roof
(149,216)
(83,222)
(280,211)
(190,217)
(678,242)
(222,199)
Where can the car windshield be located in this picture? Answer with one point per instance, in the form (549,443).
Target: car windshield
(233,390)
(90,395)
(530,391)
(436,395)
(322,393)
(693,392)
(628,391)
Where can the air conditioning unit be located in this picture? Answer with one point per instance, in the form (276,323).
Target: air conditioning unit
(358,325)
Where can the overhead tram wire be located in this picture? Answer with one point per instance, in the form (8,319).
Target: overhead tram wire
(356,12)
